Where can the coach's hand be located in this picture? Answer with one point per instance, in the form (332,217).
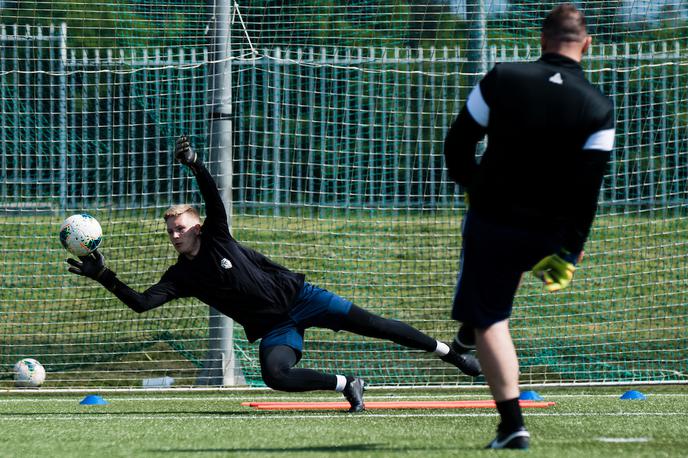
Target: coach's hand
(556,270)
(91,266)
(183,152)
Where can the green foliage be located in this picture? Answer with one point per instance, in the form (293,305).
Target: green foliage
(99,24)
(330,23)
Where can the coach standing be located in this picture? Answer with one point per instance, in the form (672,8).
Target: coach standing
(533,196)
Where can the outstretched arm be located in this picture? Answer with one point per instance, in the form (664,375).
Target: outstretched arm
(93,266)
(216,215)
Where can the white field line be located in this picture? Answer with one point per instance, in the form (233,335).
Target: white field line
(249,389)
(623,440)
(333,397)
(348,418)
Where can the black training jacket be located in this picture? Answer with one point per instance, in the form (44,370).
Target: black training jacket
(549,138)
(237,281)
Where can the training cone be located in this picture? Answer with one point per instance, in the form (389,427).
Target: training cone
(633,394)
(530,396)
(93,400)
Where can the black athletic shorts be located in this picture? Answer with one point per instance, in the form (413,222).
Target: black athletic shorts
(493,259)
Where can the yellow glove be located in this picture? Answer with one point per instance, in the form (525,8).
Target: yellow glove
(556,270)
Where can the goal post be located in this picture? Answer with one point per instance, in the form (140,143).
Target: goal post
(221,366)
(323,123)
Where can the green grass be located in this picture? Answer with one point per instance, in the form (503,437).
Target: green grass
(583,423)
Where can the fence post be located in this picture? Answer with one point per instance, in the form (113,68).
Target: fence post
(476,14)
(96,130)
(626,110)
(663,128)
(62,67)
(109,188)
(85,170)
(145,183)
(3,113)
(677,136)
(276,105)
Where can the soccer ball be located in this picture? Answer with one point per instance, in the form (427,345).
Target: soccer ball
(81,234)
(29,373)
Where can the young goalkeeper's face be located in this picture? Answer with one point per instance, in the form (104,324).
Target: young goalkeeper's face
(184,232)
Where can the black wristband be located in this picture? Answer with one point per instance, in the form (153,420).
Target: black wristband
(196,165)
(107,279)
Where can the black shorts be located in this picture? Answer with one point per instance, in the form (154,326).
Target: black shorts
(493,259)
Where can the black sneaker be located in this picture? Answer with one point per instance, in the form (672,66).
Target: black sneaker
(518,439)
(468,364)
(354,394)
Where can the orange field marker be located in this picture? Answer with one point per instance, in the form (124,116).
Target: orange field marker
(373,405)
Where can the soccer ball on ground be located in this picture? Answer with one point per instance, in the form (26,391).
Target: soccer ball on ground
(81,234)
(29,373)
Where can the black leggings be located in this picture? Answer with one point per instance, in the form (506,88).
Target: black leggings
(277,363)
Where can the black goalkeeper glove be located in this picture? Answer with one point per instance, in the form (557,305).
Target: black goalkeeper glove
(183,152)
(91,266)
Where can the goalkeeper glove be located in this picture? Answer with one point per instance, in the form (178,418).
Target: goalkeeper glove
(183,152)
(91,266)
(556,270)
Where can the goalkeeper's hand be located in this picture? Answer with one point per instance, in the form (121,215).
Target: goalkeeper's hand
(183,152)
(91,266)
(556,270)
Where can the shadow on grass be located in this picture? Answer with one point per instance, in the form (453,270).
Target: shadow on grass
(313,449)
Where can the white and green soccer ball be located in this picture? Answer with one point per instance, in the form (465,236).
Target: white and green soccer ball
(29,373)
(81,234)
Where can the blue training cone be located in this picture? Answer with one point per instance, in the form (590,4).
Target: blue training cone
(530,396)
(93,400)
(633,395)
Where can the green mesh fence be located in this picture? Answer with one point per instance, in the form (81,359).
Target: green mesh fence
(339,113)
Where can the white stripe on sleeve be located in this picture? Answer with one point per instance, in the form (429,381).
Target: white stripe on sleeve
(477,107)
(602,140)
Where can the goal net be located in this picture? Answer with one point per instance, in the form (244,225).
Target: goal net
(338,116)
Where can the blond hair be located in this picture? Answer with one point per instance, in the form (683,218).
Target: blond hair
(176,210)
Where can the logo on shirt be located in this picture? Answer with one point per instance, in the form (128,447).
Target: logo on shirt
(226,263)
(556,79)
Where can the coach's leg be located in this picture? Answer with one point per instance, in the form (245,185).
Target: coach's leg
(498,357)
(464,341)
(362,322)
(500,365)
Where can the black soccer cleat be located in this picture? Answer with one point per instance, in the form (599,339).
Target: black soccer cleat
(518,439)
(353,392)
(468,364)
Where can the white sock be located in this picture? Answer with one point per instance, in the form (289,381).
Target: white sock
(441,349)
(341,383)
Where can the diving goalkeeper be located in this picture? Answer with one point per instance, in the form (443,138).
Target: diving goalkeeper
(272,303)
(533,196)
